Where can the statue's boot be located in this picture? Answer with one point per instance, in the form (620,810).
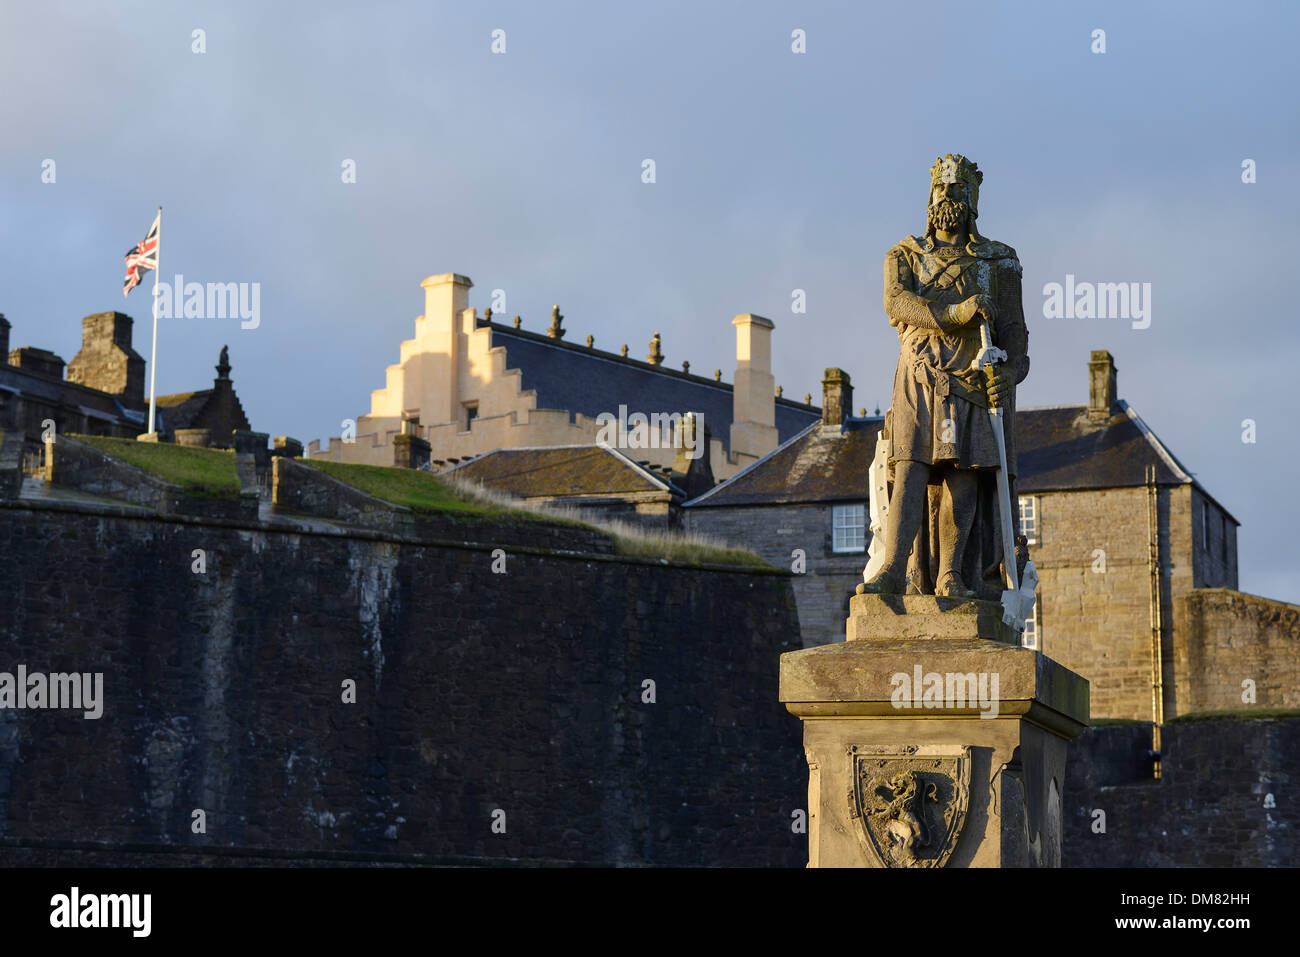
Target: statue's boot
(951,586)
(886,582)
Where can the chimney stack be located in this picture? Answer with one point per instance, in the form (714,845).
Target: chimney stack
(4,338)
(1101,386)
(107,361)
(692,471)
(753,417)
(433,385)
(837,398)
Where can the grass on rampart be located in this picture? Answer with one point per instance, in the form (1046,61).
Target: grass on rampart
(419,491)
(430,493)
(209,472)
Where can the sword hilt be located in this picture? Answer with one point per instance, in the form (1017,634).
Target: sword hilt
(989,355)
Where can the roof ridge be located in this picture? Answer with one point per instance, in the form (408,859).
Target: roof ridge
(1174,465)
(622,458)
(637,466)
(606,356)
(755,464)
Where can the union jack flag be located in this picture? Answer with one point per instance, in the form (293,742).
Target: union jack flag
(142,257)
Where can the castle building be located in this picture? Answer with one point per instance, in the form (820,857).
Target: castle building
(467,385)
(1137,561)
(104,392)
(1144,603)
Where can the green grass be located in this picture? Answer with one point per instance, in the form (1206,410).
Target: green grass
(430,494)
(208,472)
(680,549)
(419,491)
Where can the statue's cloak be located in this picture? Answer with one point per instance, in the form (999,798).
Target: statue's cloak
(939,413)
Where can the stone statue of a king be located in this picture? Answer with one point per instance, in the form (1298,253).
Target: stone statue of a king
(954,298)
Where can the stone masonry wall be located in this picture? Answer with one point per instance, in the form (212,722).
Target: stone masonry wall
(1223,638)
(1222,800)
(773,533)
(1098,622)
(475,692)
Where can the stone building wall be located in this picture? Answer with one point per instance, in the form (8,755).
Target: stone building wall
(475,692)
(1214,543)
(1098,622)
(773,532)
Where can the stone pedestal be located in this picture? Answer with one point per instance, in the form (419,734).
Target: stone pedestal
(933,739)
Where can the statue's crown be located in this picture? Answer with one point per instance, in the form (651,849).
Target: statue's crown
(955,168)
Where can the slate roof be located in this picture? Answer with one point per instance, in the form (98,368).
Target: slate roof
(813,466)
(569,376)
(562,471)
(58,391)
(1058,449)
(182,408)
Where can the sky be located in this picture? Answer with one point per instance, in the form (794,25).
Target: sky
(774,171)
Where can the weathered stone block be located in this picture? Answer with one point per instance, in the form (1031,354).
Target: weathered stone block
(410,451)
(925,617)
(284,445)
(197,438)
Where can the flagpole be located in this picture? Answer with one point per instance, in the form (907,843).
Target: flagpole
(153,355)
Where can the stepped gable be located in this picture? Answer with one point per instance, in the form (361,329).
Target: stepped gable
(217,409)
(590,381)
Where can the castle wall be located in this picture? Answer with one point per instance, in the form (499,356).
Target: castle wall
(475,692)
(1221,800)
(1230,647)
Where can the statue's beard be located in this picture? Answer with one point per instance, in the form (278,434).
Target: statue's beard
(949,215)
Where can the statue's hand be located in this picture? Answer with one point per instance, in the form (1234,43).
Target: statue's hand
(976,307)
(1001,386)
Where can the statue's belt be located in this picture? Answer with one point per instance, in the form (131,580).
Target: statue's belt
(946,384)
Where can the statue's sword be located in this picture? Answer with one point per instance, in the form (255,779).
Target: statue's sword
(989,355)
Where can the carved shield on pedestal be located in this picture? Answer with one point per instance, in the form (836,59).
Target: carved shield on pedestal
(908,802)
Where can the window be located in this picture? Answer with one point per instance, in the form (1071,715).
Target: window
(1029,518)
(471,413)
(1033,636)
(1205,525)
(848,528)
